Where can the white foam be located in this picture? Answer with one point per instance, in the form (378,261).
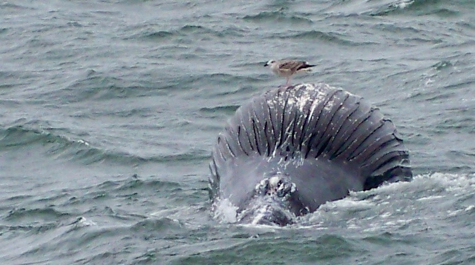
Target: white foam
(423,203)
(225,211)
(82,221)
(404,3)
(348,203)
(426,202)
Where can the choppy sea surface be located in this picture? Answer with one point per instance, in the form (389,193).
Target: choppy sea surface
(109,110)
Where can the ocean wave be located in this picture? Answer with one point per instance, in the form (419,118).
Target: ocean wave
(277,16)
(99,86)
(204,80)
(153,35)
(185,33)
(266,247)
(366,8)
(34,215)
(75,149)
(125,189)
(161,224)
(95,86)
(329,37)
(416,7)
(227,109)
(396,8)
(135,183)
(9,6)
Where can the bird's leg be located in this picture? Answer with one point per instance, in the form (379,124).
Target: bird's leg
(288,79)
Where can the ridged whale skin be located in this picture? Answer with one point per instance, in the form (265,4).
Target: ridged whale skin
(293,148)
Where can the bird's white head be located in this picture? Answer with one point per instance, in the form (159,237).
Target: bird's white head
(270,63)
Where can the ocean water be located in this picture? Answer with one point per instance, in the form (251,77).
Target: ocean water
(109,110)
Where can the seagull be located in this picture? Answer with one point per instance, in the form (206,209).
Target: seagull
(287,68)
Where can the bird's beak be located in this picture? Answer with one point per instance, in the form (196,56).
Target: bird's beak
(266,64)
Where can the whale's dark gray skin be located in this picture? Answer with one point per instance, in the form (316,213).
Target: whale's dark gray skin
(294,148)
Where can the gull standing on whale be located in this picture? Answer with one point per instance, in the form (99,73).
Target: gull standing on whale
(287,68)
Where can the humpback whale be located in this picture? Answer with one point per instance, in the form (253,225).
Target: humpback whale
(294,148)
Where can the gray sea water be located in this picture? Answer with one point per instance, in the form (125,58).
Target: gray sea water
(109,110)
